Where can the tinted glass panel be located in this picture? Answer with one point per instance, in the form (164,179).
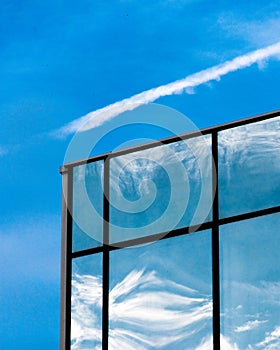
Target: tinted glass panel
(87,205)
(160,295)
(250,283)
(249,167)
(86,303)
(160,189)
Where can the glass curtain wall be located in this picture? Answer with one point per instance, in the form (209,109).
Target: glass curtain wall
(174,245)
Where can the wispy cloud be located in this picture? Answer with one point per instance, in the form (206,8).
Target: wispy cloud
(148,311)
(263,324)
(226,344)
(86,311)
(271,341)
(267,291)
(262,29)
(252,143)
(248,326)
(102,115)
(145,311)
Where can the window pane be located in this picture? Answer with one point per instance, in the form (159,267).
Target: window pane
(250,283)
(161,295)
(86,303)
(249,167)
(160,189)
(87,205)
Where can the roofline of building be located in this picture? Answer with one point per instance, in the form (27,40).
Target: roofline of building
(257,118)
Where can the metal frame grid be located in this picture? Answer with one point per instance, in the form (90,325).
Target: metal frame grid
(67,254)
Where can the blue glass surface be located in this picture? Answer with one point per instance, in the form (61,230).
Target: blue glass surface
(161,189)
(87,206)
(86,303)
(250,283)
(161,295)
(249,167)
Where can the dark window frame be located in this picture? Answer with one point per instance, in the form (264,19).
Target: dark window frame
(67,205)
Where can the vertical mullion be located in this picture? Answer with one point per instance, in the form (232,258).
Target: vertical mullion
(66,271)
(215,245)
(105,266)
(63,285)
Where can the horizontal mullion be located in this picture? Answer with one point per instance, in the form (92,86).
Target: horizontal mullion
(85,252)
(143,240)
(250,215)
(160,236)
(174,233)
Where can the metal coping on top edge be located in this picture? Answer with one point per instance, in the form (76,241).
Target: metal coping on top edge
(249,120)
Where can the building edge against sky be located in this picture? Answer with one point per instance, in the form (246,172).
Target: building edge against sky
(233,181)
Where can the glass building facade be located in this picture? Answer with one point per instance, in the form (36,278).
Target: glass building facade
(174,244)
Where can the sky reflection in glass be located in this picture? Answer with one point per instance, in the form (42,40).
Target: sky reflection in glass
(160,189)
(249,167)
(250,282)
(160,295)
(87,206)
(86,303)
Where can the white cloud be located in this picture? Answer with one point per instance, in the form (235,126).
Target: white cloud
(147,311)
(248,326)
(86,306)
(144,313)
(264,297)
(272,340)
(250,144)
(100,116)
(226,344)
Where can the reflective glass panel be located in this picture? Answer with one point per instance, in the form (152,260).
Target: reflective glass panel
(160,189)
(161,295)
(249,167)
(250,283)
(86,303)
(87,206)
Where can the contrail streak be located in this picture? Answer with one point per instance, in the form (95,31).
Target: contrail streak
(102,115)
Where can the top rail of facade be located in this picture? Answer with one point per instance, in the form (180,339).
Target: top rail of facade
(253,119)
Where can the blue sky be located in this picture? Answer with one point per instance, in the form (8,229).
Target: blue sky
(61,60)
